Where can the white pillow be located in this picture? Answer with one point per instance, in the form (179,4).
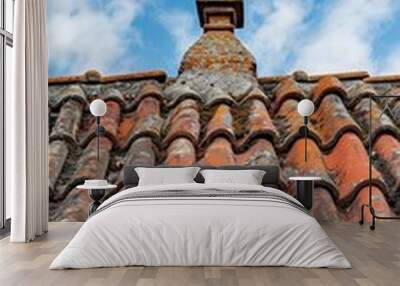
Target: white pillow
(248,177)
(166,176)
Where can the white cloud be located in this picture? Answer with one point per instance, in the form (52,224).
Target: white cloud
(86,34)
(273,31)
(181,25)
(344,40)
(391,63)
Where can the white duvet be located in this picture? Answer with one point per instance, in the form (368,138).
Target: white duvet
(192,231)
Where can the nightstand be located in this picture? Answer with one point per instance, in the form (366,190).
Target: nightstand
(96,193)
(305,189)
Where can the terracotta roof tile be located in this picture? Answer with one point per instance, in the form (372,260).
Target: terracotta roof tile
(221,123)
(219,152)
(326,85)
(258,124)
(288,122)
(262,152)
(58,153)
(380,205)
(295,165)
(146,121)
(68,122)
(357,92)
(331,120)
(184,121)
(141,151)
(112,94)
(256,93)
(181,152)
(217,96)
(387,151)
(150,89)
(87,166)
(324,208)
(287,89)
(381,122)
(351,177)
(73,208)
(60,94)
(179,92)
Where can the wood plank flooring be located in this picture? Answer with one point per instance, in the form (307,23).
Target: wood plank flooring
(375,257)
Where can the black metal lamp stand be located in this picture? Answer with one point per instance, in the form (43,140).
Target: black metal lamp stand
(370,205)
(100,131)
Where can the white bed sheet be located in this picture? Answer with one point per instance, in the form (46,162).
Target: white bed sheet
(200,231)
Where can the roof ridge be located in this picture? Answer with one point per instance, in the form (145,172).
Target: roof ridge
(94,76)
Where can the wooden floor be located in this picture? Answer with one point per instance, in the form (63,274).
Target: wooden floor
(375,257)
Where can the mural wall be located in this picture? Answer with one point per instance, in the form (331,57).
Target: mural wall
(218,111)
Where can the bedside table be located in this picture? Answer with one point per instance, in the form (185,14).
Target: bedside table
(305,189)
(96,193)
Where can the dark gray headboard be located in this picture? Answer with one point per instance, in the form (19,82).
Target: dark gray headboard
(271,178)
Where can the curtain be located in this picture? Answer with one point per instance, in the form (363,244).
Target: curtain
(27,124)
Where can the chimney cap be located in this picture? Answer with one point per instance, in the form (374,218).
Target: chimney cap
(207,7)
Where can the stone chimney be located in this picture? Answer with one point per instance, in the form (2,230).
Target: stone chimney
(220,14)
(218,49)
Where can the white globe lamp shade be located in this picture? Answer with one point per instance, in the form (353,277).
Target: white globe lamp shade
(98,107)
(305,108)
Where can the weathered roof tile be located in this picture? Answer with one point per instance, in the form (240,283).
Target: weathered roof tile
(326,85)
(184,121)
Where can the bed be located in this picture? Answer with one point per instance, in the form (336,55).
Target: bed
(198,224)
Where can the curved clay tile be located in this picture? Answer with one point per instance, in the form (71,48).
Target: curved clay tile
(110,122)
(288,122)
(59,95)
(68,122)
(395,105)
(185,104)
(217,96)
(348,164)
(353,213)
(184,121)
(146,121)
(220,124)
(258,124)
(331,120)
(179,92)
(387,150)
(358,91)
(58,153)
(381,122)
(113,94)
(288,89)
(218,153)
(87,166)
(150,89)
(324,208)
(326,85)
(295,165)
(147,126)
(262,152)
(256,93)
(73,208)
(142,152)
(181,152)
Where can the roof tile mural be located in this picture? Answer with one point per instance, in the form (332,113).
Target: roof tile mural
(217,111)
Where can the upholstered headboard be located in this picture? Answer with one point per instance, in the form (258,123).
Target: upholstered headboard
(271,177)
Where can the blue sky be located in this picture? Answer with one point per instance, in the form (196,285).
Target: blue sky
(318,36)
